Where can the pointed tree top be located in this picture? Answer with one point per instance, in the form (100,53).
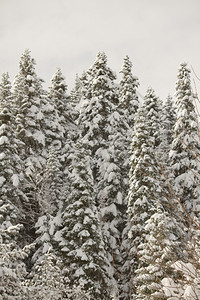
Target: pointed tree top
(127,65)
(58,85)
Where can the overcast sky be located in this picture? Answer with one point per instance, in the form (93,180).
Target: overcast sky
(156,34)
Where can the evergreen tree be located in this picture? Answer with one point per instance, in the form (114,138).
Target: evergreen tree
(9,159)
(46,281)
(113,189)
(76,93)
(28,99)
(127,108)
(51,197)
(99,102)
(104,131)
(61,101)
(5,89)
(185,146)
(156,254)
(168,119)
(81,239)
(61,128)
(28,96)
(12,266)
(152,106)
(128,98)
(144,185)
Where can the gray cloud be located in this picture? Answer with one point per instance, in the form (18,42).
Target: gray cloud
(157,35)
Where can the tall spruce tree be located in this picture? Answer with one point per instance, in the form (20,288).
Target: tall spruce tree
(12,266)
(99,98)
(10,166)
(81,239)
(46,280)
(127,108)
(51,195)
(76,93)
(28,97)
(159,250)
(152,106)
(184,155)
(103,131)
(128,98)
(168,120)
(144,184)
(122,135)
(58,95)
(61,126)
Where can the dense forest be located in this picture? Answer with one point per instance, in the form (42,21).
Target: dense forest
(99,193)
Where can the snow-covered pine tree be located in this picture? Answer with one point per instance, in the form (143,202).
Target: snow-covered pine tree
(95,128)
(144,185)
(80,238)
(12,266)
(58,95)
(156,254)
(28,98)
(127,108)
(51,195)
(60,126)
(28,95)
(152,105)
(46,281)
(76,93)
(128,99)
(103,131)
(184,283)
(113,189)
(168,119)
(5,88)
(57,126)
(9,159)
(99,93)
(184,156)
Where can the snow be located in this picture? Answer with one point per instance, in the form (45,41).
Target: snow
(77,227)
(190,288)
(31,89)
(119,198)
(15,229)
(15,180)
(104,154)
(79,272)
(45,237)
(29,78)
(81,254)
(2,155)
(86,220)
(55,222)
(106,210)
(39,136)
(40,115)
(111,176)
(33,109)
(84,233)
(3,140)
(46,247)
(191,293)
(3,128)
(2,180)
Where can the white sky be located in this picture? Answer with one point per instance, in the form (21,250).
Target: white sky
(156,34)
